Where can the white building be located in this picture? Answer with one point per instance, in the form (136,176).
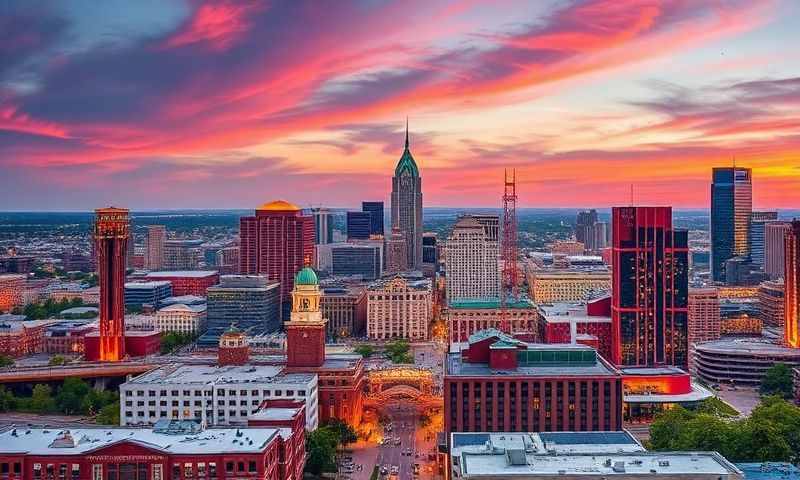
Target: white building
(216,395)
(182,318)
(398,308)
(471,260)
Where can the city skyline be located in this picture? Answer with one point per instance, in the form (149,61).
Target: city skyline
(177,105)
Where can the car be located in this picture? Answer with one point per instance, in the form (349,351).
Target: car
(384,470)
(395,469)
(397,442)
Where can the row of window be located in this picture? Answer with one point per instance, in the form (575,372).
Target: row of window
(220,393)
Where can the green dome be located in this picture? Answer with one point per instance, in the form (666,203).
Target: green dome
(306,276)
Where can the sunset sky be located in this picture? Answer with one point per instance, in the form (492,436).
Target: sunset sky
(189,104)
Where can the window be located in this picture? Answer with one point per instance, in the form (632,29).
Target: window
(176,470)
(251,466)
(188,471)
(229,467)
(97,471)
(212,469)
(240,466)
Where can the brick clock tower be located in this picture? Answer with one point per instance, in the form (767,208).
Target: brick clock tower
(305,331)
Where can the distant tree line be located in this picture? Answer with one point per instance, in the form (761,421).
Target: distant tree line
(74,397)
(48,309)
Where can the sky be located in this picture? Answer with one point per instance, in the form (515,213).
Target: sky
(173,104)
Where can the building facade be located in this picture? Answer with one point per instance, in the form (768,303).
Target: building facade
(557,285)
(650,284)
(349,259)
(191,282)
(22,338)
(407,206)
(467,317)
(430,253)
(183,254)
(584,223)
(346,311)
(471,260)
(154,247)
(396,252)
(227,260)
(323,225)
(12,291)
(248,301)
(147,293)
(731,207)
(180,318)
(586,323)
(359,225)
(375,209)
(771,303)
(110,239)
(791,283)
(757,235)
(774,247)
(499,384)
(398,308)
(277,242)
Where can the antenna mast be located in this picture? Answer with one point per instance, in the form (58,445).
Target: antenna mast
(510,253)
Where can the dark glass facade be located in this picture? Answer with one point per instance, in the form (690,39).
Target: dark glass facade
(375,210)
(731,207)
(649,289)
(249,302)
(429,248)
(358,225)
(362,260)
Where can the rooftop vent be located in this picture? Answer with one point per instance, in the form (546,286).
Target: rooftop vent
(663,463)
(619,467)
(515,456)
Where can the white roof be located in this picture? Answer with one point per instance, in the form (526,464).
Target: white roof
(274,413)
(180,307)
(38,441)
(211,374)
(145,285)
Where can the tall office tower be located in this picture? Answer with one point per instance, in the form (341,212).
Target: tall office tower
(375,209)
(323,226)
(110,239)
(396,252)
(791,283)
(758,224)
(704,316)
(182,254)
(597,237)
(430,257)
(277,242)
(490,224)
(358,225)
(154,247)
(649,288)
(471,260)
(583,225)
(774,247)
(407,206)
(731,206)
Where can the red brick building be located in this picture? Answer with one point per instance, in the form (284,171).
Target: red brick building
(170,451)
(21,338)
(589,324)
(233,348)
(67,338)
(110,242)
(188,282)
(137,344)
(497,383)
(277,242)
(289,414)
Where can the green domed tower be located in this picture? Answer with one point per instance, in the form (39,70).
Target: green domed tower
(306,276)
(305,331)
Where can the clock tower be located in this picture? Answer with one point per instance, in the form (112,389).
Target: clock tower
(305,331)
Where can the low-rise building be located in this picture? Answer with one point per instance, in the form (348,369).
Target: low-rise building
(217,395)
(182,318)
(399,308)
(21,338)
(588,323)
(469,316)
(147,293)
(742,361)
(67,338)
(187,282)
(575,284)
(12,291)
(345,308)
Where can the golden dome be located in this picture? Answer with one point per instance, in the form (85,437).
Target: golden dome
(279,206)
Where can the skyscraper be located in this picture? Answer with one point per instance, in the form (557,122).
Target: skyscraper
(758,224)
(323,226)
(396,252)
(375,209)
(583,225)
(110,240)
(774,246)
(471,259)
(277,242)
(154,247)
(649,287)
(791,284)
(731,206)
(407,205)
(359,225)
(704,316)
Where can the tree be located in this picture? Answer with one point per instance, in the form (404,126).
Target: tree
(42,400)
(345,433)
(57,360)
(6,361)
(71,395)
(109,415)
(321,450)
(172,340)
(778,381)
(365,351)
(398,351)
(7,400)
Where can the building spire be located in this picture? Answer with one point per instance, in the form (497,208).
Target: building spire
(406,132)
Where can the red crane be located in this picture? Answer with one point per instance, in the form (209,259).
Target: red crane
(509,289)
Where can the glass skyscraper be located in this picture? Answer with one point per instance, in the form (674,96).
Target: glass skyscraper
(358,225)
(731,207)
(375,209)
(758,224)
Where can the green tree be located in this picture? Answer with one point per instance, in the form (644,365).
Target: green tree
(398,351)
(42,400)
(344,432)
(109,415)
(7,400)
(71,395)
(778,381)
(57,360)
(172,340)
(365,351)
(321,450)
(6,361)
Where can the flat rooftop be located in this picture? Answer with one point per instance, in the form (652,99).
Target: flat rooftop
(228,375)
(146,285)
(274,413)
(459,368)
(489,303)
(585,454)
(183,273)
(75,441)
(748,346)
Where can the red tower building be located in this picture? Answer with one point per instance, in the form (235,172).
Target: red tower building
(791,296)
(111,243)
(276,242)
(650,288)
(305,332)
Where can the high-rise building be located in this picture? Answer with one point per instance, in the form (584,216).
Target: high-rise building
(597,237)
(154,247)
(323,226)
(398,308)
(704,315)
(649,288)
(731,207)
(182,254)
(359,225)
(472,262)
(757,238)
(490,224)
(791,284)
(375,209)
(396,252)
(774,247)
(583,225)
(407,206)
(277,242)
(356,259)
(110,240)
(251,302)
(147,293)
(430,256)
(771,303)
